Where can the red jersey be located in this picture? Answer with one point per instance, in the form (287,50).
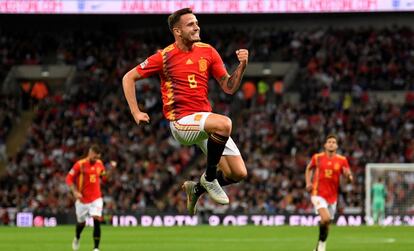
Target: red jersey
(184,77)
(327,173)
(86,177)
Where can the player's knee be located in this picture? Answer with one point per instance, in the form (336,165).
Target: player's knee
(224,126)
(96,218)
(325,221)
(240,175)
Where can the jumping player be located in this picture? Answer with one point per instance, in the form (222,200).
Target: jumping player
(184,68)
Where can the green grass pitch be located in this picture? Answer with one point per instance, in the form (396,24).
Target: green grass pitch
(222,238)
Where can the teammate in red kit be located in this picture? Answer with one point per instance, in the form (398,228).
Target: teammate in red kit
(84,182)
(327,167)
(184,68)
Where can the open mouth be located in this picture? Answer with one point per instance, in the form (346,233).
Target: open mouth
(195,37)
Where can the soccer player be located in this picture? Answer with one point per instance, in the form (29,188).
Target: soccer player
(326,168)
(378,200)
(184,68)
(84,182)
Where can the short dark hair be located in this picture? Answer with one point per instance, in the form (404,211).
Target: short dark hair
(331,136)
(175,17)
(96,148)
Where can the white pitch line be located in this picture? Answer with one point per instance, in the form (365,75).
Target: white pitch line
(272,239)
(389,240)
(241,239)
(369,240)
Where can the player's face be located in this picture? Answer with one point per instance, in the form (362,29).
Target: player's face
(189,29)
(331,145)
(93,156)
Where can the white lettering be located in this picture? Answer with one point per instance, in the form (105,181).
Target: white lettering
(115,221)
(280,220)
(294,220)
(50,222)
(387,221)
(354,220)
(146,221)
(229,220)
(213,220)
(169,221)
(157,222)
(256,219)
(267,220)
(130,221)
(409,220)
(241,220)
(341,221)
(191,220)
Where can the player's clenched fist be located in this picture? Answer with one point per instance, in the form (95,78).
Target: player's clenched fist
(243,55)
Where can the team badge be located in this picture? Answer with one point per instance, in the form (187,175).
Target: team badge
(336,167)
(202,65)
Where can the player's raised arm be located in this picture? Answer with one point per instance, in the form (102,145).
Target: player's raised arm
(230,84)
(128,84)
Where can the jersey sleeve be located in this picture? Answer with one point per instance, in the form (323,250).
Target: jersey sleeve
(150,66)
(70,177)
(218,70)
(312,163)
(345,164)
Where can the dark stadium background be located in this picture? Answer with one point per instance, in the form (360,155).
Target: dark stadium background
(276,137)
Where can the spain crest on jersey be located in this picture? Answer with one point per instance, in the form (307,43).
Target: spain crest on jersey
(202,65)
(336,166)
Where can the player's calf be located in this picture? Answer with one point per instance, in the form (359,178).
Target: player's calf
(96,231)
(76,241)
(224,181)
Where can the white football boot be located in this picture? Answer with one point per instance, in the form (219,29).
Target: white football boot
(214,189)
(75,244)
(192,198)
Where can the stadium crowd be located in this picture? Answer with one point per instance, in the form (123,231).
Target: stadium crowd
(9,114)
(349,58)
(342,59)
(276,141)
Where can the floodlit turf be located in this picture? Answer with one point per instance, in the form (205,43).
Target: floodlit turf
(201,238)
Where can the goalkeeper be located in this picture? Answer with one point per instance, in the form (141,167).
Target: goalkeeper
(378,200)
